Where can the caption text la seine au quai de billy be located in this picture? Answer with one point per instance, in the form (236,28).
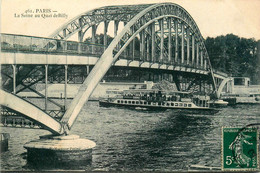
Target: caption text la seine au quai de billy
(40,13)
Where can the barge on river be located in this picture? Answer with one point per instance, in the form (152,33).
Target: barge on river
(157,99)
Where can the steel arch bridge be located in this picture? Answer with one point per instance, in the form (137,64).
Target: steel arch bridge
(168,39)
(168,36)
(166,31)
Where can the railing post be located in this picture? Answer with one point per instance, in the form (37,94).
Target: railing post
(31,44)
(79,47)
(13,42)
(87,69)
(65,46)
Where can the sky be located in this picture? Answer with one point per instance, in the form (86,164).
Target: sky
(213,17)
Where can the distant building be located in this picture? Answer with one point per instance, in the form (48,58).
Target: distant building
(239,90)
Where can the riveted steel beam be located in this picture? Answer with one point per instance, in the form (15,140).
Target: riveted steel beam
(137,24)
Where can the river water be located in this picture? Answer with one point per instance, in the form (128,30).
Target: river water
(137,140)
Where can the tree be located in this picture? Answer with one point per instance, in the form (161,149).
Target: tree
(235,56)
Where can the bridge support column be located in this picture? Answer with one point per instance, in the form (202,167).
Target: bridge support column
(177,82)
(148,49)
(153,41)
(93,37)
(126,51)
(160,77)
(87,69)
(169,41)
(105,34)
(46,87)
(201,58)
(188,46)
(184,84)
(176,40)
(142,45)
(170,78)
(116,22)
(14,78)
(65,86)
(200,85)
(132,46)
(197,56)
(161,22)
(182,43)
(56,150)
(80,33)
(193,49)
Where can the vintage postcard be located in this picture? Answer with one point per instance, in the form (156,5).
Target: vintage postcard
(94,85)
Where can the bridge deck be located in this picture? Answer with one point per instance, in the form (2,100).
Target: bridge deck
(20,49)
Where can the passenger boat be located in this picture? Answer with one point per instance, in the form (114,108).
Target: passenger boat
(157,99)
(218,103)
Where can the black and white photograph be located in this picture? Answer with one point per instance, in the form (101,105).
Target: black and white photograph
(130,86)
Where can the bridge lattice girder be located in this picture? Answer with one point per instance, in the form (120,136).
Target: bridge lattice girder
(94,17)
(154,24)
(173,21)
(147,17)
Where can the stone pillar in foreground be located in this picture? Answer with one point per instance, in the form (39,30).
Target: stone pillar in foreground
(59,150)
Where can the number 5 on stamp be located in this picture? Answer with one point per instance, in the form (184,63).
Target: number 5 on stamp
(239,149)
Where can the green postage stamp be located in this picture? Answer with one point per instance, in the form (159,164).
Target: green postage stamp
(240,149)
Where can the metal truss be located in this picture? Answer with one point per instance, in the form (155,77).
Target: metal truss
(139,15)
(157,27)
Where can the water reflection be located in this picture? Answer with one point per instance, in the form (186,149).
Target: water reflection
(130,140)
(170,139)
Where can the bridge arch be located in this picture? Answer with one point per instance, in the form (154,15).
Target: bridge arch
(222,85)
(190,51)
(81,23)
(149,15)
(31,112)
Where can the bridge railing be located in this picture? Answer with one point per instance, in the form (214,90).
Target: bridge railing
(24,43)
(220,73)
(16,43)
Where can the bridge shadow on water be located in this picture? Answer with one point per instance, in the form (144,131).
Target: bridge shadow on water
(160,146)
(165,146)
